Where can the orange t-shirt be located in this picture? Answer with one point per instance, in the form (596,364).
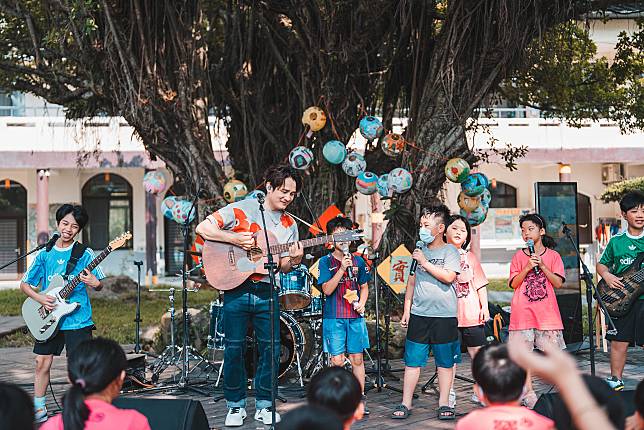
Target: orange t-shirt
(534,304)
(504,417)
(467,284)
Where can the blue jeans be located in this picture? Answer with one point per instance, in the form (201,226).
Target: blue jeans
(249,302)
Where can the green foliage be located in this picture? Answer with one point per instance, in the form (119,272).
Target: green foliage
(563,77)
(616,191)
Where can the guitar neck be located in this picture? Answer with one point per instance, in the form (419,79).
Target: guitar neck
(307,243)
(67,290)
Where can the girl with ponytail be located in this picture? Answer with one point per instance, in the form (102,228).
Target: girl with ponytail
(535,272)
(96,370)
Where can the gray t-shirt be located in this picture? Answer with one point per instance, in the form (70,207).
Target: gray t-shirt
(432,298)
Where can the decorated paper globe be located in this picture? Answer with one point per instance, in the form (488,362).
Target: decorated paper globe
(300,157)
(475,217)
(177,209)
(475,184)
(486,198)
(235,191)
(315,118)
(400,180)
(334,151)
(383,186)
(457,170)
(367,183)
(393,144)
(467,203)
(354,164)
(371,127)
(154,182)
(254,194)
(166,206)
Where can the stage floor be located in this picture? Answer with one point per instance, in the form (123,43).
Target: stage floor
(16,366)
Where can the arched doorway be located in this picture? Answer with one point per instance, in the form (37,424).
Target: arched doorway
(107,197)
(503,196)
(13,222)
(172,236)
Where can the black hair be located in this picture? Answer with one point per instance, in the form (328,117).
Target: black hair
(639,398)
(339,222)
(451,221)
(91,367)
(16,408)
(277,174)
(78,212)
(310,417)
(439,210)
(631,200)
(500,378)
(337,389)
(539,221)
(603,395)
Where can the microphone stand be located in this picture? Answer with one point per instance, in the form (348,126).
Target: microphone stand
(271,266)
(20,257)
(137,317)
(590,287)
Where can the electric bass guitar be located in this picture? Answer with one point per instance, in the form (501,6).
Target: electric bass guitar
(44,324)
(618,301)
(227,266)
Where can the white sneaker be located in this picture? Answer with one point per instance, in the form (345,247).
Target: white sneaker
(40,415)
(265,416)
(235,417)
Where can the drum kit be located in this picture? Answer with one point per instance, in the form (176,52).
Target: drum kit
(300,328)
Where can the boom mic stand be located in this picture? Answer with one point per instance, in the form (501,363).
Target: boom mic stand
(590,287)
(20,257)
(271,266)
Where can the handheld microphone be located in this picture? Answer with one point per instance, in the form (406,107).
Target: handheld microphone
(51,242)
(345,251)
(414,264)
(530,245)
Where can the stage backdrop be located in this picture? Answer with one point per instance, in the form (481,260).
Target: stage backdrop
(557,203)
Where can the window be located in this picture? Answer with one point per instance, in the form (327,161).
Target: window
(13,221)
(584,219)
(108,200)
(503,196)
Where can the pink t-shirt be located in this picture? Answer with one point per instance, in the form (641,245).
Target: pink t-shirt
(504,417)
(467,284)
(534,305)
(104,416)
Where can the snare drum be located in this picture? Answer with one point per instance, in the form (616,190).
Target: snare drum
(295,289)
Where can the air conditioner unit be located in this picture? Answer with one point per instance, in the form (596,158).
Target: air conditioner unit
(611,172)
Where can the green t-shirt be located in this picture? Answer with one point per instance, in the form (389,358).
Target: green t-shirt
(621,251)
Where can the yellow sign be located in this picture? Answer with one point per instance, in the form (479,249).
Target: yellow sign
(395,269)
(314,270)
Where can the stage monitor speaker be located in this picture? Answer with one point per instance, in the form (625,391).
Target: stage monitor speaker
(168,414)
(552,406)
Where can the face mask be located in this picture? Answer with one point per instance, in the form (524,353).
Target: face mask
(426,235)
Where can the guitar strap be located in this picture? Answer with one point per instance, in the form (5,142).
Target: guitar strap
(77,252)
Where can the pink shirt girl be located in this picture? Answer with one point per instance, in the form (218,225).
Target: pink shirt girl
(104,416)
(534,304)
(467,284)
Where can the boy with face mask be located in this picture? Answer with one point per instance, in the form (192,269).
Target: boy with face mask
(430,312)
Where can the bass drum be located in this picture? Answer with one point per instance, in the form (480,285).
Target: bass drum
(291,340)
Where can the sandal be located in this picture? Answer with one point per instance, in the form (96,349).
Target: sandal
(445,413)
(406,412)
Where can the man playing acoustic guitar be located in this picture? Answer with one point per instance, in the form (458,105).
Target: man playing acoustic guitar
(620,253)
(236,223)
(77,326)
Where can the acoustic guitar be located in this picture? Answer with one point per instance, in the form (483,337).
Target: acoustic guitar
(618,301)
(227,266)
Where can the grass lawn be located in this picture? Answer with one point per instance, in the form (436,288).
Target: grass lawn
(114,318)
(498,284)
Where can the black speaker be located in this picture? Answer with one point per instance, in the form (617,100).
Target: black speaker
(168,414)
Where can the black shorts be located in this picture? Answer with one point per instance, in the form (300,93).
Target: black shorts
(473,336)
(68,339)
(630,327)
(432,330)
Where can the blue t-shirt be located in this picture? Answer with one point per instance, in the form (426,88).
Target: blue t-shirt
(47,264)
(336,306)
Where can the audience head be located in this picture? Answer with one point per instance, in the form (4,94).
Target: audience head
(95,366)
(605,397)
(310,417)
(639,404)
(498,378)
(338,390)
(16,408)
